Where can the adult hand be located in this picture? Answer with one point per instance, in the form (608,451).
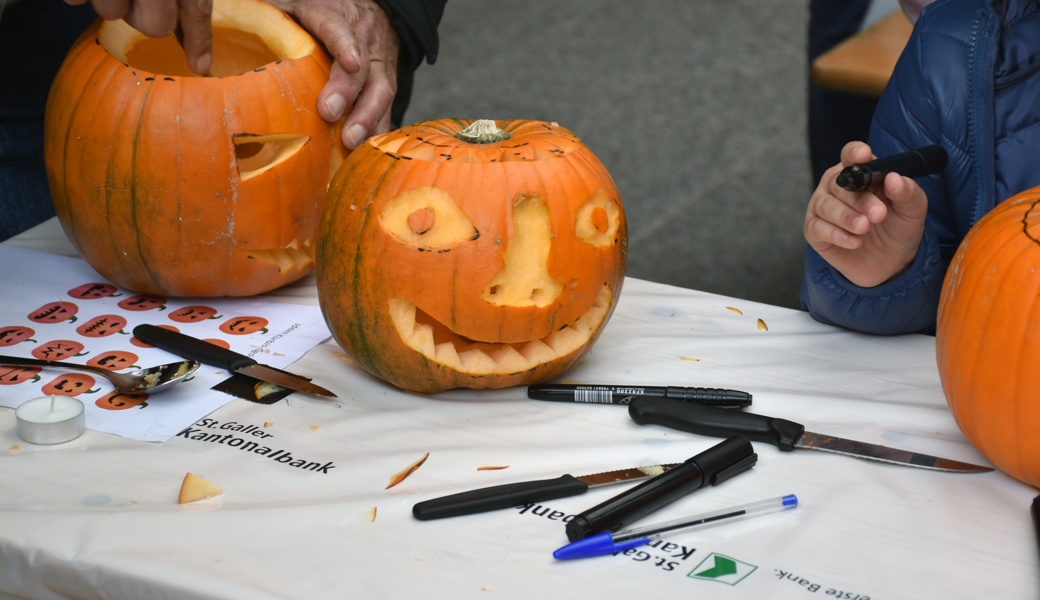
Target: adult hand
(188,19)
(870,237)
(358,35)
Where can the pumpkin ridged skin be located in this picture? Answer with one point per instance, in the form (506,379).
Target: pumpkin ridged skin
(359,267)
(988,336)
(143,170)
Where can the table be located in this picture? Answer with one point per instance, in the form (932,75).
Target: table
(864,62)
(98,517)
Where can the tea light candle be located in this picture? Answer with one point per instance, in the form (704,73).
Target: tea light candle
(50,420)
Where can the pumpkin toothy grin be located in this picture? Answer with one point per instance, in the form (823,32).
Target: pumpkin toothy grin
(437,342)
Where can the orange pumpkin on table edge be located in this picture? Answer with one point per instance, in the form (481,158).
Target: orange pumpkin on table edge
(988,336)
(172,184)
(458,253)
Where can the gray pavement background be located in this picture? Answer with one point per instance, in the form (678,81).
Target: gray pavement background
(697,108)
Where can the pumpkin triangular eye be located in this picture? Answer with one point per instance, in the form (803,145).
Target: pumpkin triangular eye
(255,154)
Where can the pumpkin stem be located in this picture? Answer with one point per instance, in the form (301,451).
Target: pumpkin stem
(482,131)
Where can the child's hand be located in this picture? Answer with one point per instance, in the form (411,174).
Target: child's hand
(869,237)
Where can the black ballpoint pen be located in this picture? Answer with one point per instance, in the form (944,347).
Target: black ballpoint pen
(624,394)
(915,163)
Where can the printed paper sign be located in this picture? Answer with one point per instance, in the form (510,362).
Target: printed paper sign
(58,308)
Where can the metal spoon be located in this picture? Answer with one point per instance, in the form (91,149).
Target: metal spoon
(149,380)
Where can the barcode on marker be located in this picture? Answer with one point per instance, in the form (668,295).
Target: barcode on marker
(594,396)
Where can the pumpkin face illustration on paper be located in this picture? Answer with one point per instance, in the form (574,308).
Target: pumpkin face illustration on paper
(16,375)
(447,261)
(142,302)
(69,384)
(121,401)
(58,350)
(114,360)
(15,334)
(54,312)
(93,291)
(193,314)
(171,184)
(102,326)
(244,325)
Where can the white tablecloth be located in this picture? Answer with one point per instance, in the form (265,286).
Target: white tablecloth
(98,517)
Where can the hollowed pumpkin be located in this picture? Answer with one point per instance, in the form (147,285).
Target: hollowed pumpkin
(455,253)
(177,185)
(988,336)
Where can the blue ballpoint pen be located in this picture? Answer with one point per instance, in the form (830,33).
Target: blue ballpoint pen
(607,543)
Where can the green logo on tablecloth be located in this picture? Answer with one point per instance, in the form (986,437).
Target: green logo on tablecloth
(723,569)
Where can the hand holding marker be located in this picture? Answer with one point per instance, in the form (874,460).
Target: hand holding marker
(912,164)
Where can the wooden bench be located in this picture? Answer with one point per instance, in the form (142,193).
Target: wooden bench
(863,63)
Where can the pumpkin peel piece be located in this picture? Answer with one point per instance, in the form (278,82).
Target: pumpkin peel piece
(404,473)
(195,488)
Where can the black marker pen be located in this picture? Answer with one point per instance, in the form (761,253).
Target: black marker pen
(915,163)
(624,394)
(727,459)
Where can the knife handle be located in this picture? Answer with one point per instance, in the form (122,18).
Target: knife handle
(716,422)
(500,496)
(193,348)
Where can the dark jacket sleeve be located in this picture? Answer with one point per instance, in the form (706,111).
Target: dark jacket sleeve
(415,22)
(908,116)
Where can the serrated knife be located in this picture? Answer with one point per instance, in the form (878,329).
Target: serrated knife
(213,355)
(512,495)
(785,435)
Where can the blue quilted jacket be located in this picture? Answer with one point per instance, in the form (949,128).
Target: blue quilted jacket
(969,79)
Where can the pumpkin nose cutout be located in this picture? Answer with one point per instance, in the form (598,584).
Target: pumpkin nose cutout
(525,280)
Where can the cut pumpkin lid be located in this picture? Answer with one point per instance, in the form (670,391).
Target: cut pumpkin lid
(521,141)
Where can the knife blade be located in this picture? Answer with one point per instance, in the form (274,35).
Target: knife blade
(213,355)
(525,492)
(785,435)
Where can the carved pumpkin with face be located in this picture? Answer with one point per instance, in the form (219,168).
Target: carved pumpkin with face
(470,254)
(172,184)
